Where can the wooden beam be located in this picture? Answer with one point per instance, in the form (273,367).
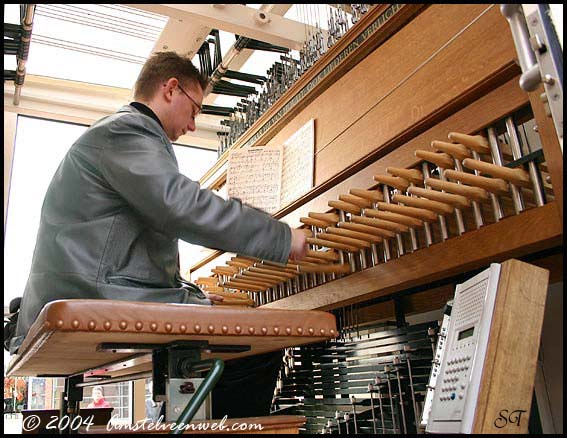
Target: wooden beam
(511,357)
(515,236)
(241,20)
(181,38)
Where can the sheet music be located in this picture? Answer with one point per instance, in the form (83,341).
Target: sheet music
(254,175)
(298,162)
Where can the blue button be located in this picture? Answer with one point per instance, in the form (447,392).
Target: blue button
(453,395)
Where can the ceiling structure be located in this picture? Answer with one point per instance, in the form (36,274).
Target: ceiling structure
(184,29)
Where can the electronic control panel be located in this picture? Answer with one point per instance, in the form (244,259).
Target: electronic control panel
(458,380)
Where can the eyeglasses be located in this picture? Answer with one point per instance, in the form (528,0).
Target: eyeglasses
(192,100)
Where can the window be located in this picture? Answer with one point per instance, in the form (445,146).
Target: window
(97,43)
(40,147)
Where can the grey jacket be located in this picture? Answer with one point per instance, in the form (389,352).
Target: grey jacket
(112,216)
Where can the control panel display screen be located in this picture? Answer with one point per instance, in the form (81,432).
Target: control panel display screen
(466,333)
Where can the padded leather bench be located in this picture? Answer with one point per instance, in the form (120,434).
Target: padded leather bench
(109,339)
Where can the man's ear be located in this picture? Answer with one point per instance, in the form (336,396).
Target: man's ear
(168,88)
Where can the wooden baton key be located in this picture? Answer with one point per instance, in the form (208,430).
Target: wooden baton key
(229,301)
(330,256)
(356,200)
(428,204)
(346,240)
(494,185)
(516,176)
(354,234)
(412,175)
(477,143)
(473,193)
(441,159)
(418,213)
(394,181)
(282,273)
(331,218)
(345,206)
(330,244)
(371,195)
(313,222)
(395,217)
(389,227)
(456,150)
(368,229)
(449,198)
(325,269)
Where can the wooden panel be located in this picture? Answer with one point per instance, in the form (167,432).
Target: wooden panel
(470,119)
(510,364)
(491,107)
(414,100)
(356,92)
(531,231)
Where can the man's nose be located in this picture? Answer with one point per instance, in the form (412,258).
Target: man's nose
(191,126)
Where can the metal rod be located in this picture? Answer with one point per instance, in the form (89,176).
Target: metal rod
(371,391)
(442,221)
(401,400)
(394,422)
(217,367)
(476,205)
(416,414)
(496,207)
(532,167)
(100,382)
(398,235)
(378,382)
(353,401)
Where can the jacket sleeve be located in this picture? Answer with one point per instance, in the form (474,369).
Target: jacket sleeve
(137,165)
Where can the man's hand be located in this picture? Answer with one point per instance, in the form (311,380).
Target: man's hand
(298,245)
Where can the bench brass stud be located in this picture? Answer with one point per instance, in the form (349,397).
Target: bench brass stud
(299,330)
(251,330)
(311,331)
(197,328)
(238,329)
(224,329)
(75,324)
(288,330)
(59,323)
(139,325)
(322,331)
(264,330)
(92,325)
(107,325)
(168,327)
(182,328)
(211,328)
(276,330)
(123,325)
(153,326)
